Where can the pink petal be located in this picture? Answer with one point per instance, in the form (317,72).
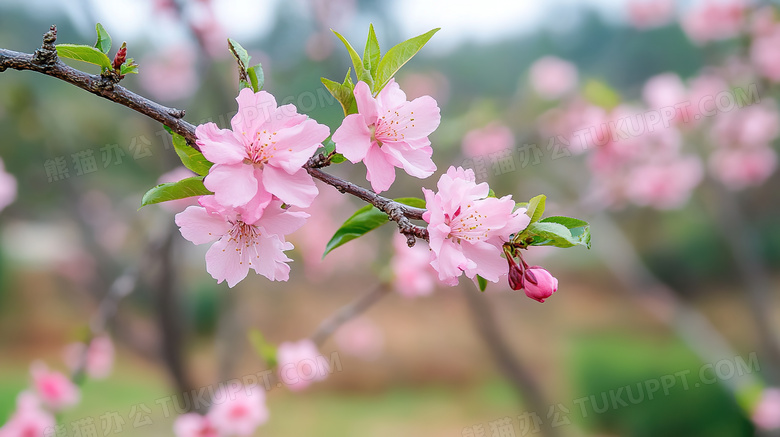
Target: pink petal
(417,163)
(252,211)
(391,96)
(295,189)
(449,262)
(353,138)
(199,227)
(487,257)
(270,260)
(254,110)
(418,118)
(233,185)
(367,106)
(225,263)
(295,145)
(380,173)
(220,146)
(279,221)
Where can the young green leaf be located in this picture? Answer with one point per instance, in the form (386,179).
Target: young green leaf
(580,229)
(360,71)
(129,67)
(191,158)
(103,39)
(239,53)
(337,158)
(482,283)
(256,77)
(365,220)
(371,54)
(175,190)
(396,57)
(536,208)
(85,54)
(265,350)
(600,94)
(550,234)
(343,95)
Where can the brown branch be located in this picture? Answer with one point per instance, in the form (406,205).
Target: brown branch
(348,312)
(45,61)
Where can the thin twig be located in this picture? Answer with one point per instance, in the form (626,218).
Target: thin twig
(45,61)
(348,312)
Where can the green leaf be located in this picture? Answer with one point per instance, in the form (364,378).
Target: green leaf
(580,229)
(262,347)
(360,71)
(550,234)
(337,158)
(343,94)
(600,94)
(129,67)
(536,208)
(175,190)
(256,77)
(191,158)
(396,57)
(103,39)
(365,220)
(482,283)
(371,54)
(85,54)
(239,53)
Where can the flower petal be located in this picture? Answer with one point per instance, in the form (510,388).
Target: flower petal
(295,189)
(487,259)
(353,138)
(254,110)
(380,172)
(417,163)
(233,185)
(225,262)
(367,106)
(199,227)
(296,144)
(220,146)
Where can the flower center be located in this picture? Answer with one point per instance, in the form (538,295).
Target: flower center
(467,224)
(245,237)
(261,148)
(391,126)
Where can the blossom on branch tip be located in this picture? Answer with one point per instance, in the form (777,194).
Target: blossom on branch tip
(29,419)
(242,238)
(467,228)
(239,413)
(387,132)
(194,425)
(263,154)
(539,284)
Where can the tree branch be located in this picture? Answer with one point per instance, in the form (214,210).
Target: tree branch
(348,312)
(45,61)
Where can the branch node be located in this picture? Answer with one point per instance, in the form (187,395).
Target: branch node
(178,113)
(47,54)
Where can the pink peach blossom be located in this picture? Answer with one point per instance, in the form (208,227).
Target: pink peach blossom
(387,132)
(360,337)
(99,357)
(263,154)
(29,419)
(54,389)
(194,425)
(413,273)
(552,77)
(300,364)
(493,138)
(7,187)
(238,413)
(743,167)
(766,415)
(664,185)
(752,126)
(765,52)
(467,228)
(646,14)
(170,74)
(714,20)
(243,240)
(176,175)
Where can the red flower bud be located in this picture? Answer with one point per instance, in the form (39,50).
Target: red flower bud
(121,56)
(539,283)
(515,274)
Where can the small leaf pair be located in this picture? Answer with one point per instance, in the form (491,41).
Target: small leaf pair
(249,77)
(98,55)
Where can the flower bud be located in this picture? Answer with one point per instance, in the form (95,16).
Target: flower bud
(539,283)
(121,57)
(515,274)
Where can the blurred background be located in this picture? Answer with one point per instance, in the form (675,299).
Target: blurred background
(653,120)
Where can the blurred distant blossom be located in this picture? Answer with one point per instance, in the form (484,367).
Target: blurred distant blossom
(645,14)
(170,74)
(194,425)
(360,337)
(765,53)
(7,187)
(431,83)
(29,419)
(493,138)
(664,185)
(413,275)
(207,28)
(98,356)
(740,168)
(767,413)
(714,20)
(387,132)
(763,20)
(751,126)
(467,228)
(552,77)
(692,103)
(234,413)
(54,389)
(300,364)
